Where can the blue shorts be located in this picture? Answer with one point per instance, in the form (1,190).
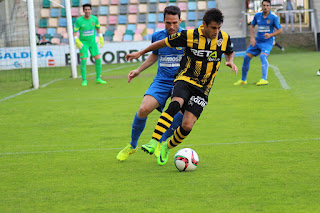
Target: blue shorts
(260,48)
(160,90)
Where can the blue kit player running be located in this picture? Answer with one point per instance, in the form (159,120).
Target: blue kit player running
(161,87)
(263,42)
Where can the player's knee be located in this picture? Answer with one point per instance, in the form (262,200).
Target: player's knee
(263,58)
(187,125)
(174,108)
(144,111)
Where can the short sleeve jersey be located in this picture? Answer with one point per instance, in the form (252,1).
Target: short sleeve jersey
(265,25)
(86,27)
(202,56)
(169,58)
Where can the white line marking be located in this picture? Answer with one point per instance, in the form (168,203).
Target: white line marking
(283,82)
(29,90)
(208,144)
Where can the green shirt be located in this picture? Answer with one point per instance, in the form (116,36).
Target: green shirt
(86,27)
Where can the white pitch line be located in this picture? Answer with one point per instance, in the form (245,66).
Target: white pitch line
(208,144)
(283,82)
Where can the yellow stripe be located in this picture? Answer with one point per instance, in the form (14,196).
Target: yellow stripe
(187,66)
(167,116)
(197,69)
(214,44)
(179,133)
(202,43)
(161,129)
(157,136)
(211,82)
(164,123)
(167,42)
(190,38)
(225,38)
(209,69)
(187,79)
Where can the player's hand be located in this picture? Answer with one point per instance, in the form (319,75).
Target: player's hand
(267,35)
(232,66)
(79,44)
(101,41)
(132,74)
(131,56)
(253,42)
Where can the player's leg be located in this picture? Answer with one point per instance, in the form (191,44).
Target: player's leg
(265,51)
(245,68)
(177,120)
(94,50)
(83,67)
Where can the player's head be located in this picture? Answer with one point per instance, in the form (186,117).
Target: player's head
(87,9)
(266,6)
(172,19)
(212,21)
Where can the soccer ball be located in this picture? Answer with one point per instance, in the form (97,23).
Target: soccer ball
(186,159)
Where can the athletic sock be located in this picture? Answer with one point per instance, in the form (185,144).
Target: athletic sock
(265,66)
(83,69)
(138,125)
(179,135)
(165,120)
(98,68)
(177,120)
(245,67)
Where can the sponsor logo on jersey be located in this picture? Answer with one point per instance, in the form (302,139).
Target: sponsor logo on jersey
(264,29)
(219,42)
(170,60)
(87,33)
(210,55)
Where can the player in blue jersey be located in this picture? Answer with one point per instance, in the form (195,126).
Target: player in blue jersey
(263,42)
(161,87)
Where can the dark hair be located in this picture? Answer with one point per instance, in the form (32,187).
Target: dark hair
(172,10)
(86,5)
(266,1)
(213,14)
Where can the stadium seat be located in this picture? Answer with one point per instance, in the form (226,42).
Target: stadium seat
(85,2)
(152,17)
(172,0)
(75,11)
(134,1)
(121,28)
(200,22)
(147,37)
(127,37)
(129,32)
(141,26)
(104,2)
(151,26)
(115,2)
(103,10)
(46,4)
(65,35)
(124,1)
(191,15)
(133,8)
(192,6)
(163,1)
(122,19)
(184,15)
(43,22)
(95,2)
(54,12)
(45,13)
(123,9)
(108,33)
(113,20)
(138,31)
(55,40)
(102,29)
(152,1)
(52,22)
(62,22)
(143,8)
(143,1)
(152,8)
(132,18)
(150,31)
(161,7)
(137,37)
(95,11)
(112,28)
(48,36)
(113,10)
(160,17)
(108,38)
(61,30)
(142,18)
(182,6)
(51,31)
(211,4)
(183,24)
(41,31)
(202,5)
(102,20)
(75,3)
(63,12)
(160,26)
(64,41)
(74,19)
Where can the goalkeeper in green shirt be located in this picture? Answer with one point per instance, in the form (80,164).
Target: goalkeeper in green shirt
(86,25)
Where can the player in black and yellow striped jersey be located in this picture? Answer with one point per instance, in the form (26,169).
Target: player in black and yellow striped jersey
(199,65)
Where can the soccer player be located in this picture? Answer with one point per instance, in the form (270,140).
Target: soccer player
(263,42)
(199,65)
(86,25)
(161,87)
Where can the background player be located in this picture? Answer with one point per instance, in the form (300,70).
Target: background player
(86,25)
(204,47)
(263,42)
(161,87)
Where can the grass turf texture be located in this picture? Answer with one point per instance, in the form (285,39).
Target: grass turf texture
(258,146)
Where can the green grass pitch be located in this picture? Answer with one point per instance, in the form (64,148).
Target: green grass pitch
(258,146)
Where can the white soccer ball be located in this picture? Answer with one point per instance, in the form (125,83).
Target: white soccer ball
(186,159)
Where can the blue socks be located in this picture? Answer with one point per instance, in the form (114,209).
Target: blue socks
(137,128)
(265,66)
(177,120)
(245,67)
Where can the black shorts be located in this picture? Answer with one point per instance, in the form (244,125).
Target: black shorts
(194,99)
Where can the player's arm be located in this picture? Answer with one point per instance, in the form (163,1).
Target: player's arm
(229,62)
(76,28)
(101,39)
(154,46)
(269,35)
(252,38)
(146,64)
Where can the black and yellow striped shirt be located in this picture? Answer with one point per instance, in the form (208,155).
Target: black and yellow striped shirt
(201,58)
